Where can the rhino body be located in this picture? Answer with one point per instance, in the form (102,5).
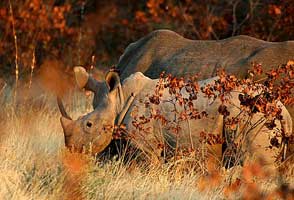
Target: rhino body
(165,50)
(96,128)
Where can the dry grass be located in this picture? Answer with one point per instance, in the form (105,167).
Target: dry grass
(35,165)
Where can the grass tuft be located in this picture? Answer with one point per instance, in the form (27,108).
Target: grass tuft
(35,165)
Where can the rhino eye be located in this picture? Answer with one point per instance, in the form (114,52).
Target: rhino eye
(89,124)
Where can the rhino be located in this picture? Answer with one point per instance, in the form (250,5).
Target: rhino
(119,102)
(165,50)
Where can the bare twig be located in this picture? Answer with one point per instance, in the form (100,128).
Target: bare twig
(80,37)
(269,37)
(210,24)
(16,50)
(236,25)
(189,22)
(32,68)
(3,87)
(234,18)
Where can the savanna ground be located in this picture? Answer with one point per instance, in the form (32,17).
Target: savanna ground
(35,164)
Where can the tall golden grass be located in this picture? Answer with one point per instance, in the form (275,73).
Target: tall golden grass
(35,165)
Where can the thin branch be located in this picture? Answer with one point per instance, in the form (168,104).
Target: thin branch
(237,26)
(210,13)
(189,22)
(3,87)
(16,50)
(32,68)
(269,37)
(235,18)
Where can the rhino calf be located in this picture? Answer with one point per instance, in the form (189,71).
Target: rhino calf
(118,103)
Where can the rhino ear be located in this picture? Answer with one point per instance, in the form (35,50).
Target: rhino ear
(112,80)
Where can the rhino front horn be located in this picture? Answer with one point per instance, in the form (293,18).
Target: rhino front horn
(62,109)
(65,123)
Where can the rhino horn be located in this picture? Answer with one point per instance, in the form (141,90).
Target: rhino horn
(65,122)
(62,109)
(65,118)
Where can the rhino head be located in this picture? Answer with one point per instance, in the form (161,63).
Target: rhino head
(93,131)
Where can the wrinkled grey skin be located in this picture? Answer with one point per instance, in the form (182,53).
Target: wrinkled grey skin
(109,105)
(165,50)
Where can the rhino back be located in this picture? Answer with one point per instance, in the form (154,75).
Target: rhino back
(165,50)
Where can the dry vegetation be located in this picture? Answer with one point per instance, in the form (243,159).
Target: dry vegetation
(33,161)
(35,165)
(72,31)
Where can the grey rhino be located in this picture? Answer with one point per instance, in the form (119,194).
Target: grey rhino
(117,103)
(165,50)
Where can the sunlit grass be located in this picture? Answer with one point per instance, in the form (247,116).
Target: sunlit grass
(35,165)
